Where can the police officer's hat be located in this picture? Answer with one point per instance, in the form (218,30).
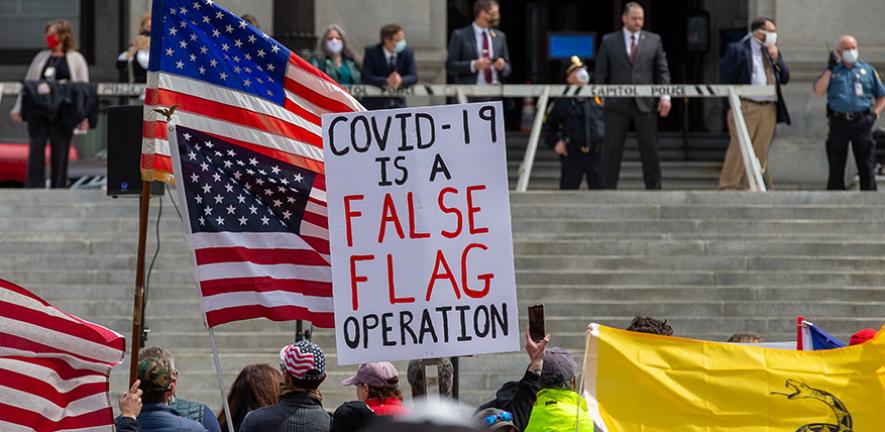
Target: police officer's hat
(576,64)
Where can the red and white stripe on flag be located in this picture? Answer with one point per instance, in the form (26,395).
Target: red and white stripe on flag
(54,367)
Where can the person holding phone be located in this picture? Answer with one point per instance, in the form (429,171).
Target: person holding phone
(133,63)
(478,53)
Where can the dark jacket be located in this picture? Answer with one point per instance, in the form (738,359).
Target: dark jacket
(296,412)
(126,424)
(463,50)
(613,67)
(161,418)
(67,103)
(736,67)
(577,121)
(376,69)
(517,398)
(198,412)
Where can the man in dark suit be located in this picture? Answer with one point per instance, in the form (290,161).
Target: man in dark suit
(633,56)
(478,53)
(389,64)
(754,60)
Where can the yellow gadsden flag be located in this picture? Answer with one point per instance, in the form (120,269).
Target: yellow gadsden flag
(641,382)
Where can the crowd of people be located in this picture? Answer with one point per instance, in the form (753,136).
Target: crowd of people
(264,398)
(478,55)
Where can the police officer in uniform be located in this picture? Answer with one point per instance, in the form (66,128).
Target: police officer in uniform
(855,98)
(574,129)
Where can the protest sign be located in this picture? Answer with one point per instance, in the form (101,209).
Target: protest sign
(419,227)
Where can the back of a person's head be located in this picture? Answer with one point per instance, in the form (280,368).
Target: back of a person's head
(745,338)
(559,370)
(445,374)
(352,416)
(304,364)
(156,370)
(257,386)
(645,324)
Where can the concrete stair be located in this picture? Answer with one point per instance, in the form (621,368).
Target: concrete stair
(711,263)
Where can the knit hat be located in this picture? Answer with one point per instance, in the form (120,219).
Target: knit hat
(494,419)
(378,374)
(862,336)
(352,416)
(304,360)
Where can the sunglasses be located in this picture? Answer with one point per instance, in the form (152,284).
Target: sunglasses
(492,419)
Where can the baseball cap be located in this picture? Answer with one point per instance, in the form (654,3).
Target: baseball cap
(494,419)
(862,336)
(304,360)
(378,374)
(558,362)
(156,374)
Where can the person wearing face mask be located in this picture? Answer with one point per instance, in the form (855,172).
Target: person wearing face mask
(133,62)
(390,65)
(335,59)
(855,99)
(60,62)
(574,129)
(755,60)
(478,53)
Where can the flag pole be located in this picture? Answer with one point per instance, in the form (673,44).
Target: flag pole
(138,309)
(176,164)
(217,360)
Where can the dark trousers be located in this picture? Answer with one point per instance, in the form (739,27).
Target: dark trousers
(860,134)
(40,130)
(576,166)
(616,126)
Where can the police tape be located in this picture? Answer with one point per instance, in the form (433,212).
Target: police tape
(498,91)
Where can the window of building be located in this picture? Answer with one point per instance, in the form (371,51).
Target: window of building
(22,23)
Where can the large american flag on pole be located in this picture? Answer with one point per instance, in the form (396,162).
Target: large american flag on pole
(54,366)
(250,160)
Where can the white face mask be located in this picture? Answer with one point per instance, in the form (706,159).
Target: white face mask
(770,38)
(582,76)
(400,46)
(850,56)
(334,46)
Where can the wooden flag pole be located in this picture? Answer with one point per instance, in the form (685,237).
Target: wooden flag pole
(138,309)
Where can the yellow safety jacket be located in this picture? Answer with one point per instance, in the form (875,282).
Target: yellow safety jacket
(556,410)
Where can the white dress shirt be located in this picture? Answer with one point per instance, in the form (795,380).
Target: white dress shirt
(477,34)
(388,55)
(628,42)
(759,77)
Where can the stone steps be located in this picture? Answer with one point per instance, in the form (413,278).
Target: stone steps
(711,263)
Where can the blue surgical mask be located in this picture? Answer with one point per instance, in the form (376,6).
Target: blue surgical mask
(400,46)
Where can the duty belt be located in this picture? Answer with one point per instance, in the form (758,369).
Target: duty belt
(851,116)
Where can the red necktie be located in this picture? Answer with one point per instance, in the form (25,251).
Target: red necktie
(486,54)
(633,49)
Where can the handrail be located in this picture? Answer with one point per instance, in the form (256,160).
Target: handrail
(543,92)
(492,91)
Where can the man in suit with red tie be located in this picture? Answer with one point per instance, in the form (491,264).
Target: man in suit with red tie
(633,56)
(478,53)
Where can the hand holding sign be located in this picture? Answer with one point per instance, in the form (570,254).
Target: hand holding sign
(419,217)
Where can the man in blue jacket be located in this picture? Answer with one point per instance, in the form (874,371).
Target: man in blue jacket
(755,60)
(158,376)
(390,65)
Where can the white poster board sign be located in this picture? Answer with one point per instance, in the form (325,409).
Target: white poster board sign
(419,226)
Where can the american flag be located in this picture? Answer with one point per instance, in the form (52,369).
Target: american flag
(54,366)
(264,250)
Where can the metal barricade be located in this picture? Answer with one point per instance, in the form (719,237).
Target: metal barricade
(462,93)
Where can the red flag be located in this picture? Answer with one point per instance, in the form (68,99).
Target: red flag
(54,367)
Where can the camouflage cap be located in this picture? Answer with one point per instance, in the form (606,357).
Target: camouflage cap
(156,374)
